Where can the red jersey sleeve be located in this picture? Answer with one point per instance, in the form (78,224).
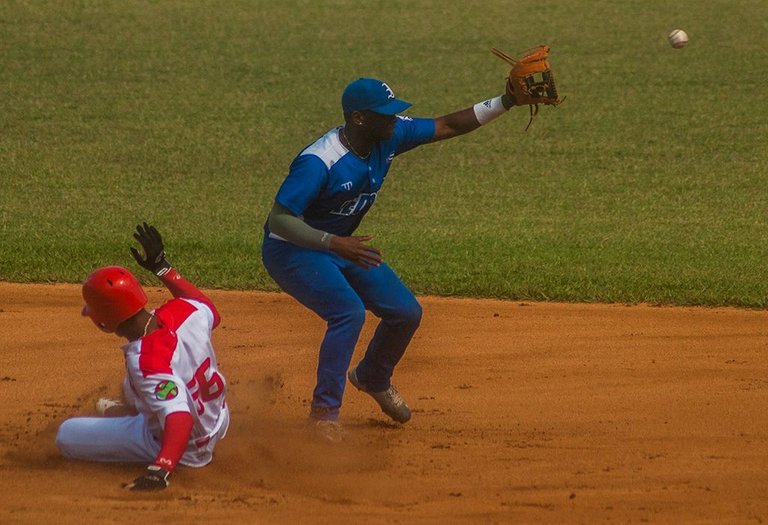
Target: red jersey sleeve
(180,287)
(178,427)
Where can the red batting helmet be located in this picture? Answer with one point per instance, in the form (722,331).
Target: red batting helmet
(112,295)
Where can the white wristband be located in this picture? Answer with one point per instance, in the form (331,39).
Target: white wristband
(488,110)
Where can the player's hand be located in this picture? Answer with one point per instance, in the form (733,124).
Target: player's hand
(154,253)
(154,478)
(354,249)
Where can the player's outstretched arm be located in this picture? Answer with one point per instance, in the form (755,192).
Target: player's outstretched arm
(469,119)
(155,261)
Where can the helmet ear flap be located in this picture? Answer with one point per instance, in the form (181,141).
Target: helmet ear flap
(112,295)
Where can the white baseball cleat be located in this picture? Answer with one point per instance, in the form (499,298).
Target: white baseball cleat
(104,404)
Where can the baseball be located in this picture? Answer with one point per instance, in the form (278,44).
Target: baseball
(678,38)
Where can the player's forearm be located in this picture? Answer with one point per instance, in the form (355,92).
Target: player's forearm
(469,119)
(178,427)
(180,287)
(286,225)
(455,124)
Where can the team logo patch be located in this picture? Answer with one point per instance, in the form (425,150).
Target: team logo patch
(357,205)
(166,390)
(390,93)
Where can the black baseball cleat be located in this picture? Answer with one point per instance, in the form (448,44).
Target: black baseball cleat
(389,400)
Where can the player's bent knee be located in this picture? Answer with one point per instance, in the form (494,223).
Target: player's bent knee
(66,440)
(411,314)
(351,316)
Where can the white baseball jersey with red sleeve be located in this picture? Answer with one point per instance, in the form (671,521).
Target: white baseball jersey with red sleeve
(174,369)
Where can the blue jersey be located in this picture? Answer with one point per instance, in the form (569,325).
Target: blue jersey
(332,189)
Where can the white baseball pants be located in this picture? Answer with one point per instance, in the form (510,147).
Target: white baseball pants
(125,440)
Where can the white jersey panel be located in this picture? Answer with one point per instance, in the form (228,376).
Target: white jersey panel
(327,148)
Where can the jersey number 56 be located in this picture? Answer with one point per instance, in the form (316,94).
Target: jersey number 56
(204,388)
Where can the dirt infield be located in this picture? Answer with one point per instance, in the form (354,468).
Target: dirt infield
(523,413)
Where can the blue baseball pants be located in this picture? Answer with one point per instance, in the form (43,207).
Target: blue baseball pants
(340,292)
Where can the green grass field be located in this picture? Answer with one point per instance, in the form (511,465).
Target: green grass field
(648,185)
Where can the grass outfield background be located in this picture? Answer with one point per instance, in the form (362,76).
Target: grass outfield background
(648,185)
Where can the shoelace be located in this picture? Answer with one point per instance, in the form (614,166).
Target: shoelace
(395,395)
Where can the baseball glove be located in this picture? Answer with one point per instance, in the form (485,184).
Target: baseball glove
(531,81)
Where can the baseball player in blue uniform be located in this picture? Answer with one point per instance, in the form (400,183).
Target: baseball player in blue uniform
(311,251)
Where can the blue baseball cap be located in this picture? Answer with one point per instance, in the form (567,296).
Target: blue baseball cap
(373,95)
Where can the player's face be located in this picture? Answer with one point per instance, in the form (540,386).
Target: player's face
(378,126)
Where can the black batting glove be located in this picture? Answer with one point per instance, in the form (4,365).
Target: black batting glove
(154,259)
(154,478)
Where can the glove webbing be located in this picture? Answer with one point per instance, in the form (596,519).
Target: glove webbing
(549,79)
